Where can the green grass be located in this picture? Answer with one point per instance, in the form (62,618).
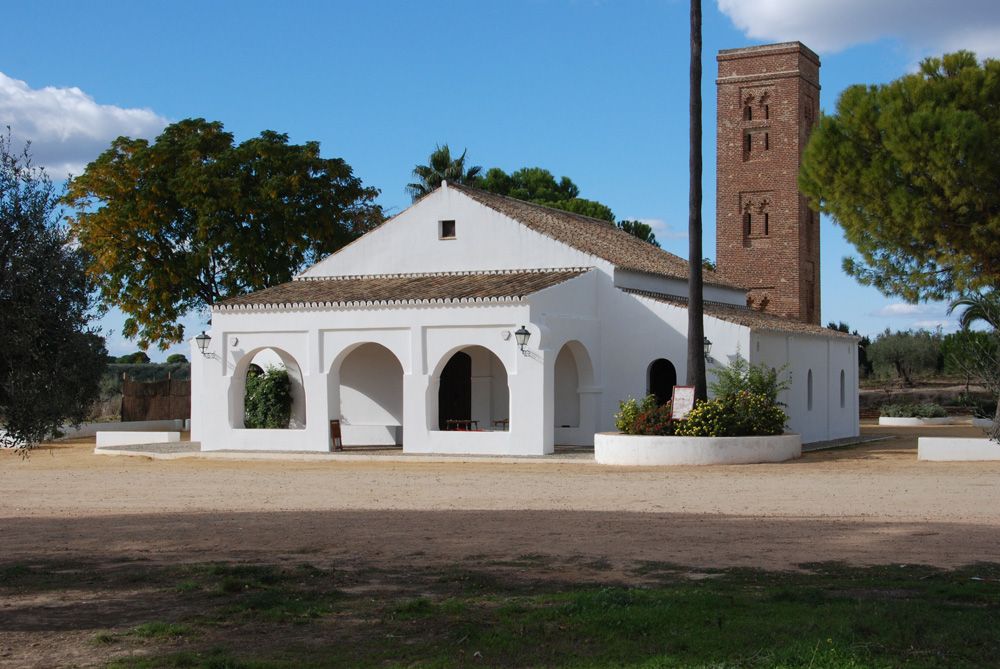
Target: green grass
(827,616)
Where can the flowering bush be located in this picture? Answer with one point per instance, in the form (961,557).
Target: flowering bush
(629,409)
(654,422)
(743,414)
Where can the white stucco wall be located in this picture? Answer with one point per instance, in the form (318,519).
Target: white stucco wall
(484,240)
(669,286)
(825,357)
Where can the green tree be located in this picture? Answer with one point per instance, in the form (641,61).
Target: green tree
(982,355)
(137,358)
(538,185)
(176,358)
(906,169)
(51,358)
(192,218)
(643,231)
(906,354)
(441,167)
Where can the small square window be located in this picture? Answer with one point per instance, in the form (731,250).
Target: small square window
(447,230)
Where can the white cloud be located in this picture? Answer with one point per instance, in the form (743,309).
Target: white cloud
(68,128)
(927,26)
(935,323)
(662,229)
(906,310)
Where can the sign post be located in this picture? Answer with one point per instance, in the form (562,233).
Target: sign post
(681,402)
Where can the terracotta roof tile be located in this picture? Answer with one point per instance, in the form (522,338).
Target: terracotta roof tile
(594,236)
(402,288)
(751,318)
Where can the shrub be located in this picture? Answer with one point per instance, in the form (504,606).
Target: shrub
(268,403)
(654,422)
(741,376)
(742,414)
(924,410)
(629,409)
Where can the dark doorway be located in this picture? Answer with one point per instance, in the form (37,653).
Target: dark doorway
(662,377)
(455,390)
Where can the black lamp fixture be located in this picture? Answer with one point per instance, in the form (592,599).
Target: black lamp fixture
(522,335)
(707,346)
(203,340)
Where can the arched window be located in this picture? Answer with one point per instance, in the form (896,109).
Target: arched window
(767,224)
(809,390)
(661,377)
(843,390)
(747,113)
(747,229)
(767,112)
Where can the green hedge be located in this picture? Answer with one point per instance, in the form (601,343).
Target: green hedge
(268,399)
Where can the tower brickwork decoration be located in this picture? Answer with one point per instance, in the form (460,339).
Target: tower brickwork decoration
(767,238)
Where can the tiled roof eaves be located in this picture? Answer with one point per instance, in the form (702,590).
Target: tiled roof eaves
(747,317)
(494,287)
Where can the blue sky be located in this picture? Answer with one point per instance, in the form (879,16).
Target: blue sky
(596,91)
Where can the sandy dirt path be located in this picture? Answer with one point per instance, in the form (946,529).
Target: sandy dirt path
(870,504)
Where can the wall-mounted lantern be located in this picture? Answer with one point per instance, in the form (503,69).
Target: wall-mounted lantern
(203,340)
(707,345)
(522,335)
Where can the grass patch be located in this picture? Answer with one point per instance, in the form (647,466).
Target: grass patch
(826,617)
(160,630)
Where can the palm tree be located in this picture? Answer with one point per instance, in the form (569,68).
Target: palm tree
(696,307)
(440,167)
(984,307)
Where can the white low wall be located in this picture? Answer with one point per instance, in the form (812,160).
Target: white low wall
(91,429)
(371,435)
(983,423)
(898,421)
(118,438)
(615,448)
(955,449)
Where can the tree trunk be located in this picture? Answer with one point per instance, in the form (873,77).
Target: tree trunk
(696,315)
(995,430)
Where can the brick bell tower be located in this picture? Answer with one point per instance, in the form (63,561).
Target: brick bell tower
(767,238)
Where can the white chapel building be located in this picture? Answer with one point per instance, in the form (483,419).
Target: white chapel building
(408,335)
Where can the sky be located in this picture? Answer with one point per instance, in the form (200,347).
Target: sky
(593,90)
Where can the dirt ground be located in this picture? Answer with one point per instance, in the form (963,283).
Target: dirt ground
(868,504)
(864,505)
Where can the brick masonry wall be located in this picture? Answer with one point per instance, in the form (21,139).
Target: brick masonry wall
(767,238)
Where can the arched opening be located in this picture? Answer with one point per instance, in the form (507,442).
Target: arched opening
(369,403)
(809,391)
(567,389)
(843,389)
(472,392)
(661,377)
(748,113)
(267,392)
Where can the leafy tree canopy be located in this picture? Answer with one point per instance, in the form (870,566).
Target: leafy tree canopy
(909,170)
(50,358)
(192,218)
(639,229)
(534,184)
(137,358)
(176,358)
(441,167)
